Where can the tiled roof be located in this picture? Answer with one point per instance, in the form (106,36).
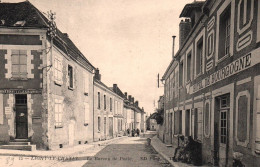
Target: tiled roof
(25,11)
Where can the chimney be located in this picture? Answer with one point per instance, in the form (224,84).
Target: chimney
(129,98)
(136,103)
(126,95)
(184,30)
(115,88)
(173,44)
(97,75)
(133,100)
(66,35)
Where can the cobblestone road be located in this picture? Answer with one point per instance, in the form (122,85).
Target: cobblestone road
(131,151)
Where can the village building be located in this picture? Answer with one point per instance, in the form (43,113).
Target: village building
(45,82)
(108,109)
(212,84)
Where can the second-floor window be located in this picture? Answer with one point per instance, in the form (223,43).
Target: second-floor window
(181,74)
(189,67)
(98,100)
(199,57)
(105,102)
(70,75)
(224,33)
(19,64)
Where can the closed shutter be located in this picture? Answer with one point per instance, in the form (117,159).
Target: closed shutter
(257,141)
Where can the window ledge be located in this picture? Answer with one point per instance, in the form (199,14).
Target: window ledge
(58,127)
(222,59)
(70,88)
(57,83)
(19,79)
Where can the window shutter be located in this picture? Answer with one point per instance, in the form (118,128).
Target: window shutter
(257,140)
(86,105)
(86,83)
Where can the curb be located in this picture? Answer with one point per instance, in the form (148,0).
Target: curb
(57,155)
(165,156)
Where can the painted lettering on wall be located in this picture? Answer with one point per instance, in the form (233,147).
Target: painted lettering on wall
(20,91)
(229,70)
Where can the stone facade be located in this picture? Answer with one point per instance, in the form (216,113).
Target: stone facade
(212,84)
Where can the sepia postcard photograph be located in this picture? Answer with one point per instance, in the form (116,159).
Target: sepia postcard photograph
(129,83)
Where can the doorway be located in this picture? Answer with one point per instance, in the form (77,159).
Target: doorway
(221,130)
(21,117)
(187,123)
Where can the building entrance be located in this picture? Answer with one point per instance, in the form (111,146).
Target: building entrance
(21,116)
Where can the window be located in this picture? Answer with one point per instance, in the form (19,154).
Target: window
(224,34)
(70,75)
(105,101)
(86,83)
(189,67)
(111,104)
(86,108)
(58,69)
(242,118)
(199,57)
(98,100)
(58,113)
(19,64)
(181,74)
(99,123)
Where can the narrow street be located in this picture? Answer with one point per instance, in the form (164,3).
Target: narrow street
(129,151)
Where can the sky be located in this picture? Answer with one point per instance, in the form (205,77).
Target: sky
(130,41)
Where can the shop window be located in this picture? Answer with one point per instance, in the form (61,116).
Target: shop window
(70,75)
(58,110)
(19,64)
(98,100)
(224,33)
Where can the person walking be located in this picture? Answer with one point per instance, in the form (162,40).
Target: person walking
(128,132)
(137,132)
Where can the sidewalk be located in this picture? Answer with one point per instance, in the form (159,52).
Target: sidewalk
(167,152)
(64,152)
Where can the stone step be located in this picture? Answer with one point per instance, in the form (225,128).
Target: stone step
(21,140)
(19,143)
(19,147)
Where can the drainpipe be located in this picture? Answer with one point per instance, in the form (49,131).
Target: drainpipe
(93,108)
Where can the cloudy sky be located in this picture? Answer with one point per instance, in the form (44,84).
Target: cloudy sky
(130,41)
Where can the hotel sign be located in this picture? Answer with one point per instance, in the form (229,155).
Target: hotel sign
(20,91)
(235,67)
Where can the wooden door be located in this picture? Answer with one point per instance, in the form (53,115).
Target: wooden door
(21,117)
